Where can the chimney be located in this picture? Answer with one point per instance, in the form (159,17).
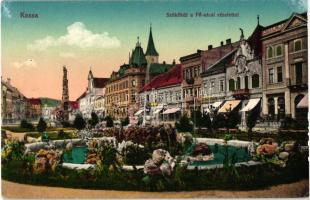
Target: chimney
(173,62)
(228,41)
(164,62)
(209,47)
(8,81)
(222,43)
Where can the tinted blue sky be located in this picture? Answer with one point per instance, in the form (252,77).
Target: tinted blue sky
(124,21)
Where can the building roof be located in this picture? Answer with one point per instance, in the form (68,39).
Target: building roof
(158,68)
(50,102)
(151,51)
(122,69)
(138,58)
(34,101)
(172,77)
(82,95)
(221,64)
(74,105)
(100,82)
(255,40)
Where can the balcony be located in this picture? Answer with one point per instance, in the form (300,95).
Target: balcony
(241,93)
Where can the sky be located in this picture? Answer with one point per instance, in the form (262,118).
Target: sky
(99,35)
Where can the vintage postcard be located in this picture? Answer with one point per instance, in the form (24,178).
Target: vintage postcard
(154,99)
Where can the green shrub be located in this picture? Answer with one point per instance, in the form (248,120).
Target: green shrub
(41,127)
(79,122)
(109,121)
(26,125)
(125,121)
(184,124)
(94,119)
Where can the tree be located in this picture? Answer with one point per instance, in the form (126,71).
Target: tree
(251,120)
(196,118)
(184,124)
(94,119)
(206,122)
(109,121)
(125,121)
(26,125)
(41,127)
(79,122)
(232,119)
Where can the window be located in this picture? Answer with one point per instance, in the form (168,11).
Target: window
(238,83)
(279,74)
(231,85)
(270,52)
(279,50)
(255,81)
(298,73)
(195,72)
(246,82)
(297,45)
(271,74)
(212,85)
(222,85)
(133,83)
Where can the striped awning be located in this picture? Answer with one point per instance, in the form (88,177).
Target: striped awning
(303,102)
(139,112)
(217,104)
(251,104)
(157,110)
(171,110)
(229,106)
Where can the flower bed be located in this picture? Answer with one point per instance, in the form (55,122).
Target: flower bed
(130,163)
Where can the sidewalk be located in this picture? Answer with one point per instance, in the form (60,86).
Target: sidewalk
(16,190)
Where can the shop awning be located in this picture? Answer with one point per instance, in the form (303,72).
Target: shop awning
(157,110)
(229,106)
(303,103)
(217,104)
(139,112)
(251,104)
(171,110)
(207,110)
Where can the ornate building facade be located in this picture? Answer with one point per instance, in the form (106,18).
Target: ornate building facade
(285,68)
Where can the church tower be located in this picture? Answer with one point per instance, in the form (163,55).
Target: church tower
(65,96)
(151,55)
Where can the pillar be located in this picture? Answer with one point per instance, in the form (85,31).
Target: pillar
(286,64)
(265,105)
(287,98)
(275,107)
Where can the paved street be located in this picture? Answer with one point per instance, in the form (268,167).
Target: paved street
(15,190)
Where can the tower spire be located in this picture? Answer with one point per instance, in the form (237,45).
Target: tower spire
(151,51)
(257,19)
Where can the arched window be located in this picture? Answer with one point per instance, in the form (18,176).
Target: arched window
(279,50)
(255,81)
(231,85)
(238,83)
(300,113)
(297,45)
(246,82)
(270,52)
(271,108)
